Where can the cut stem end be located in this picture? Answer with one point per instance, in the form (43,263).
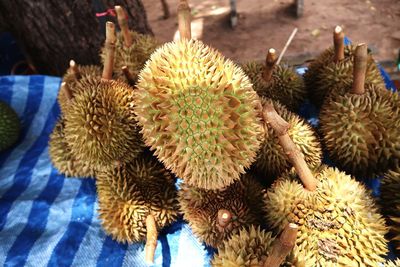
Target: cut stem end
(338,42)
(184,18)
(123,24)
(359,69)
(270,62)
(110,51)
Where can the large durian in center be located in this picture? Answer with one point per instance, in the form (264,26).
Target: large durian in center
(199,113)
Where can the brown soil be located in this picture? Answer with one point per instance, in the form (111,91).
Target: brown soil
(265,23)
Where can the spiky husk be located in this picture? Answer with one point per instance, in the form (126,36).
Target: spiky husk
(250,247)
(272,160)
(395,263)
(286,86)
(9,126)
(200,208)
(199,113)
(100,126)
(130,192)
(339,224)
(324,75)
(90,71)
(390,202)
(62,157)
(360,132)
(135,56)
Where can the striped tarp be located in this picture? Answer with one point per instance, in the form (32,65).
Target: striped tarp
(49,220)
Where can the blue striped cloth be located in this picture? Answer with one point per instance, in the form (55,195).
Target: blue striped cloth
(49,220)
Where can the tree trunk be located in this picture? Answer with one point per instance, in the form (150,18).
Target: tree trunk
(51,32)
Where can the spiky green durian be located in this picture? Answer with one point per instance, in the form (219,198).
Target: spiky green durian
(395,263)
(272,160)
(62,157)
(390,202)
(285,86)
(71,80)
(339,224)
(130,192)
(250,247)
(243,199)
(100,126)
(324,75)
(360,132)
(199,113)
(9,126)
(135,56)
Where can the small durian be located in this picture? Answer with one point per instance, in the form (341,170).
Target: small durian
(214,215)
(277,81)
(255,247)
(62,157)
(10,126)
(332,70)
(360,128)
(132,49)
(390,202)
(271,159)
(74,74)
(390,263)
(339,223)
(100,125)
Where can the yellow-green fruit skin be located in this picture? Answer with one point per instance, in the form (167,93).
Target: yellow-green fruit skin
(63,159)
(130,192)
(390,202)
(89,71)
(285,86)
(361,132)
(199,114)
(100,126)
(243,198)
(324,75)
(250,247)
(10,127)
(339,223)
(272,160)
(135,56)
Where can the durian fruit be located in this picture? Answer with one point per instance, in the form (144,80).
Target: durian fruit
(132,49)
(72,77)
(272,160)
(360,128)
(339,224)
(100,125)
(214,215)
(62,157)
(332,70)
(276,81)
(134,196)
(255,247)
(390,263)
(9,126)
(199,113)
(390,202)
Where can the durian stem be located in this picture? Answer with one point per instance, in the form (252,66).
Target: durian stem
(74,69)
(282,246)
(224,217)
(151,238)
(359,69)
(338,43)
(184,18)
(280,127)
(270,61)
(288,42)
(66,91)
(128,75)
(110,50)
(123,24)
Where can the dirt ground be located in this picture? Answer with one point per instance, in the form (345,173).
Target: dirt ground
(268,23)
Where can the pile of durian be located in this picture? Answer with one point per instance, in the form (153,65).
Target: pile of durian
(153,114)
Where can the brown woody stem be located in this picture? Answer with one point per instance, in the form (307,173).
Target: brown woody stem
(270,61)
(110,51)
(224,217)
(123,24)
(184,18)
(338,43)
(280,127)
(282,246)
(128,75)
(151,238)
(74,69)
(359,69)
(66,91)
